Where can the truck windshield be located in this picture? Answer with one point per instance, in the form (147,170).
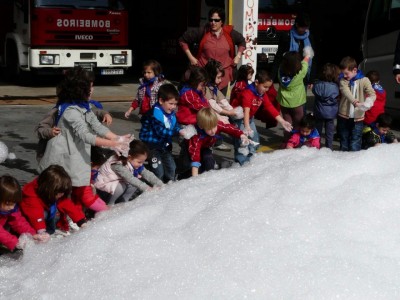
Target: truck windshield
(278,6)
(85,4)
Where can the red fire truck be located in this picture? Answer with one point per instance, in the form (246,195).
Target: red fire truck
(48,36)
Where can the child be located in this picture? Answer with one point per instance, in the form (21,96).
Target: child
(120,176)
(10,216)
(307,135)
(80,129)
(379,132)
(146,95)
(244,78)
(48,194)
(326,92)
(191,96)
(216,99)
(380,101)
(357,96)
(198,147)
(291,93)
(251,99)
(158,127)
(261,113)
(46,128)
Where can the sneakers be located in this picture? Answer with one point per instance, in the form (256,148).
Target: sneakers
(222,147)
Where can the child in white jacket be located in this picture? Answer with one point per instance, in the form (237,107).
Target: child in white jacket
(120,177)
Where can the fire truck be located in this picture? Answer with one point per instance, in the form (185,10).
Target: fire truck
(48,36)
(260,21)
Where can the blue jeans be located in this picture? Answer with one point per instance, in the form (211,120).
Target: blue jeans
(162,164)
(350,134)
(239,157)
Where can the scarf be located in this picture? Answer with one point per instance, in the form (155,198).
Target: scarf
(94,173)
(9,212)
(146,84)
(252,88)
(285,80)
(202,133)
(376,130)
(213,89)
(200,93)
(86,105)
(294,45)
(378,88)
(358,76)
(138,171)
(170,117)
(52,212)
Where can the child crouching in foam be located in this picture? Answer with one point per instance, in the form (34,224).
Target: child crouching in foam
(11,218)
(307,135)
(120,177)
(198,147)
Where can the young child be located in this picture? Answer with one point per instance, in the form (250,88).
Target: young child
(379,132)
(379,105)
(357,96)
(291,93)
(146,95)
(216,99)
(80,129)
(120,177)
(307,135)
(251,99)
(48,194)
(326,92)
(192,96)
(11,218)
(159,125)
(244,77)
(46,128)
(198,147)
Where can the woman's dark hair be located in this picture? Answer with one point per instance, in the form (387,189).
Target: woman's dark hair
(136,148)
(243,72)
(76,86)
(302,20)
(308,121)
(291,63)
(10,190)
(219,11)
(53,180)
(154,65)
(330,73)
(212,68)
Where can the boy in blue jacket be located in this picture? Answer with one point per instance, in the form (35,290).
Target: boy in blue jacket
(159,124)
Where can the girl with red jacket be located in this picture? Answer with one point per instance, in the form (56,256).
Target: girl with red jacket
(48,194)
(10,216)
(192,97)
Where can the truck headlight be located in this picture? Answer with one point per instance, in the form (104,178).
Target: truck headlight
(48,59)
(119,59)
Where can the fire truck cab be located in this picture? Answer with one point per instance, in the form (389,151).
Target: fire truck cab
(48,36)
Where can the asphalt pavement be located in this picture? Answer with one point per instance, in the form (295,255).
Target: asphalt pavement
(21,108)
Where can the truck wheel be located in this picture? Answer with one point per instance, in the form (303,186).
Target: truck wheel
(12,64)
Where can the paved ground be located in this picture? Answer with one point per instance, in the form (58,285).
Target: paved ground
(17,132)
(22,108)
